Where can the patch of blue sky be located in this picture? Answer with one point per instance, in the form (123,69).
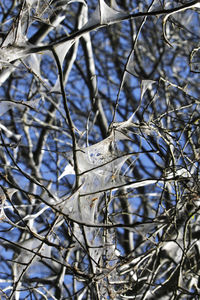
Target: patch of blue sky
(42,270)
(4,10)
(48,170)
(46,68)
(70,282)
(33,29)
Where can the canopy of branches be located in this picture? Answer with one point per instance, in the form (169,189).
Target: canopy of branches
(99,149)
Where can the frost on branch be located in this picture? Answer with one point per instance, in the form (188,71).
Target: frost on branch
(99,170)
(15,44)
(104,14)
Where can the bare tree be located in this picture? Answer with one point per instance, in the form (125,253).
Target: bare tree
(99,149)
